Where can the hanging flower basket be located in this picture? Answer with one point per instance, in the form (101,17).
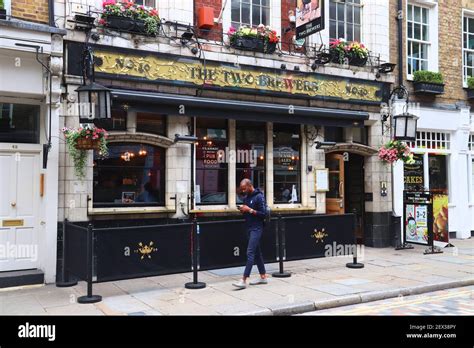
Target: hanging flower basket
(82,139)
(355,52)
(396,150)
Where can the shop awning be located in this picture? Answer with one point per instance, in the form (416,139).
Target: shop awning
(240,110)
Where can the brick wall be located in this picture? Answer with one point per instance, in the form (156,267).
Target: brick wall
(449,53)
(216,32)
(31,10)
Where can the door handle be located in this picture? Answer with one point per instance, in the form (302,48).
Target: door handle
(13,204)
(341,189)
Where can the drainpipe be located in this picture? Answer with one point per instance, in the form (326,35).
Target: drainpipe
(51,13)
(400,42)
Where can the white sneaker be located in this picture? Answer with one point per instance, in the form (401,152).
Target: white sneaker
(259,281)
(240,284)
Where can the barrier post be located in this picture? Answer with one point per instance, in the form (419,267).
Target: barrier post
(65,282)
(90,298)
(195,250)
(280,227)
(354,263)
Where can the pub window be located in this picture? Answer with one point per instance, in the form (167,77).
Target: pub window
(250,12)
(117,121)
(438,173)
(19,123)
(250,154)
(334,134)
(345,19)
(418,36)
(132,175)
(151,123)
(148,3)
(360,135)
(211,162)
(468,47)
(286,163)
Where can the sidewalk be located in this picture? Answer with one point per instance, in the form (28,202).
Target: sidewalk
(314,284)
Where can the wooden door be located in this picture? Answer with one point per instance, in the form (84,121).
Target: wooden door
(335,196)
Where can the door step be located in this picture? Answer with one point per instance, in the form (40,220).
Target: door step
(20,278)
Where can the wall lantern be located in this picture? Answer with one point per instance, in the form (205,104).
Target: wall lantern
(405,126)
(94,101)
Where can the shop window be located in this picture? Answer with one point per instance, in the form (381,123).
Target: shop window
(19,123)
(286,163)
(250,154)
(211,161)
(117,121)
(132,175)
(148,3)
(468,47)
(151,123)
(438,173)
(345,19)
(418,35)
(250,12)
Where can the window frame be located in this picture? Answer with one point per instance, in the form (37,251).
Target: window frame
(300,170)
(466,14)
(361,24)
(155,3)
(432,43)
(270,13)
(160,205)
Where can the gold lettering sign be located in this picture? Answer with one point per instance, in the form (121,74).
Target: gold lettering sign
(225,76)
(13,223)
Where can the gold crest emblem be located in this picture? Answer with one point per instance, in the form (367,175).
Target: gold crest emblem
(319,235)
(145,250)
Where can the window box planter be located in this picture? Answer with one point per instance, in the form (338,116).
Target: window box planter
(470,94)
(261,39)
(131,25)
(357,61)
(428,88)
(253,44)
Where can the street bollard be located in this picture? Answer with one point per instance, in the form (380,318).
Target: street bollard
(280,226)
(195,284)
(354,263)
(90,298)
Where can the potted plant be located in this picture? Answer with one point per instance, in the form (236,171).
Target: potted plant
(396,150)
(428,82)
(3,11)
(354,52)
(127,16)
(261,39)
(80,140)
(470,87)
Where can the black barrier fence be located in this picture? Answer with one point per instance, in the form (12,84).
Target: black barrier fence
(117,253)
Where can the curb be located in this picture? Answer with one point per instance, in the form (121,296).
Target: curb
(309,306)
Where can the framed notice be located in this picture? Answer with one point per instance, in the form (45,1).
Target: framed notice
(321,180)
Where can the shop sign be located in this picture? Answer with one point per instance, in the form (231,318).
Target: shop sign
(414,175)
(176,70)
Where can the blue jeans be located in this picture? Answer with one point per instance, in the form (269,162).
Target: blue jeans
(254,253)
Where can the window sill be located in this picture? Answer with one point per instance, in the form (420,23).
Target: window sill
(123,211)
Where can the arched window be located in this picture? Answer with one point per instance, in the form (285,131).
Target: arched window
(132,175)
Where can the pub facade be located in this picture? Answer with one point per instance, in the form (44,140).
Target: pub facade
(281,119)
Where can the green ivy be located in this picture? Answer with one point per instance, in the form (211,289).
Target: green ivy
(428,77)
(2,5)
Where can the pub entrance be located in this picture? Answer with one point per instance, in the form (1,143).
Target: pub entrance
(346,187)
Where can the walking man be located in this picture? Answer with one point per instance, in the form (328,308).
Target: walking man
(254,212)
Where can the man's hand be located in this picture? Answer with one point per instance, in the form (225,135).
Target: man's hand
(244,209)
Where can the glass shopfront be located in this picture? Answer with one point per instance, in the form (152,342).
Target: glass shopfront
(132,175)
(286,163)
(211,165)
(251,142)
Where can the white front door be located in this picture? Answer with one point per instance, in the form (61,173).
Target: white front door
(19,201)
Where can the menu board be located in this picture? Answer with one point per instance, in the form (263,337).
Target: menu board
(414,174)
